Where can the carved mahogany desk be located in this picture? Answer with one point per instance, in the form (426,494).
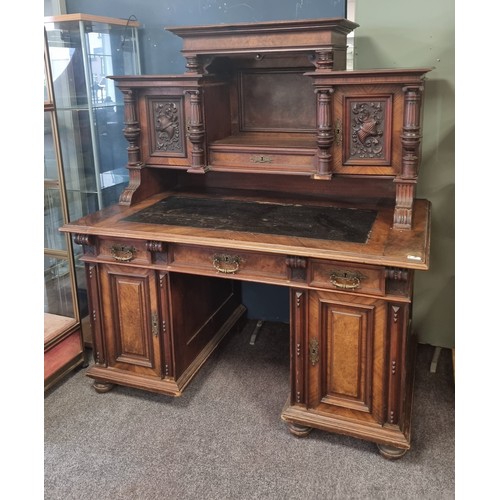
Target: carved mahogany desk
(267,162)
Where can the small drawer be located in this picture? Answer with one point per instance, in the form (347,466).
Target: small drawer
(124,251)
(276,161)
(335,275)
(218,261)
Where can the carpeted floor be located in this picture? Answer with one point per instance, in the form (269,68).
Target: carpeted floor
(224,439)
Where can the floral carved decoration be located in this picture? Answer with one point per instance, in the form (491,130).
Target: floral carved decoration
(167,126)
(367,123)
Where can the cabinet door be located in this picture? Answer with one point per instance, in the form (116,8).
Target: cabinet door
(346,356)
(368,121)
(131,323)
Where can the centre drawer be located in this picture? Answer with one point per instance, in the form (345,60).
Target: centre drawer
(347,277)
(228,262)
(300,162)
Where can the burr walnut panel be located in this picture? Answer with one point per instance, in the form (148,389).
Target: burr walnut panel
(131,325)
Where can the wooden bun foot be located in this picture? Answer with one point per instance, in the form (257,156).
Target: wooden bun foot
(391,452)
(102,387)
(299,430)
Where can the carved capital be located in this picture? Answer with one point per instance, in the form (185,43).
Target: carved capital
(396,274)
(296,268)
(156,246)
(88,243)
(323,60)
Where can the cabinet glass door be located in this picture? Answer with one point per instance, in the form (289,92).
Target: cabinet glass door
(63,345)
(83,50)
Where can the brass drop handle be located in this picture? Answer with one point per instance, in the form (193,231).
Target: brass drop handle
(123,253)
(227,264)
(346,280)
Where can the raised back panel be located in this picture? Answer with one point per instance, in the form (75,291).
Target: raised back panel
(276,101)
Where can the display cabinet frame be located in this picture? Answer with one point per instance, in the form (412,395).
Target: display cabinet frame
(63,344)
(83,51)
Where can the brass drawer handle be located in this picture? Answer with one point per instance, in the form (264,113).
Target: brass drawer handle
(227,264)
(123,253)
(346,280)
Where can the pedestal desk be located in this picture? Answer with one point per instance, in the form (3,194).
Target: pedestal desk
(267,161)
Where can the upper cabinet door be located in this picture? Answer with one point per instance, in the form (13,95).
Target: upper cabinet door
(367,121)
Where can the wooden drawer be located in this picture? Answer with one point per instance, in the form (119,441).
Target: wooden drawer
(218,261)
(124,251)
(262,160)
(343,276)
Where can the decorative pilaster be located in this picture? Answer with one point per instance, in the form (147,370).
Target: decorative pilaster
(324,132)
(410,141)
(397,329)
(297,351)
(196,132)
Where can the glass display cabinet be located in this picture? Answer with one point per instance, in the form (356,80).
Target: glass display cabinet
(83,50)
(63,345)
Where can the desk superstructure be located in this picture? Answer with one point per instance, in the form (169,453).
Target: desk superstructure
(267,161)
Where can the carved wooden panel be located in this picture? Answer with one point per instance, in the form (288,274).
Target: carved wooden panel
(367,130)
(132,323)
(166,127)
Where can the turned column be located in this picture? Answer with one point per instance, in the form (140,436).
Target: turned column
(324,133)
(406,181)
(196,132)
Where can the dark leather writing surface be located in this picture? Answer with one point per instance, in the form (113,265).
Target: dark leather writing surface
(304,221)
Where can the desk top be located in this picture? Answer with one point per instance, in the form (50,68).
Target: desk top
(318,229)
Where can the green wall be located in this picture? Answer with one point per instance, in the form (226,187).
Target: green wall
(404,33)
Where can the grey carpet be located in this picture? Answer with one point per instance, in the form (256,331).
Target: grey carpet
(224,439)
